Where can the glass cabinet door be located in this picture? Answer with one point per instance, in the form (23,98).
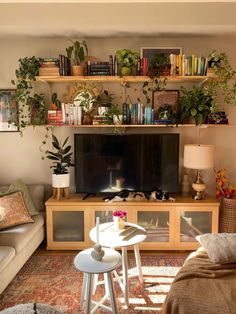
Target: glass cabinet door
(104,215)
(156,224)
(193,223)
(68,226)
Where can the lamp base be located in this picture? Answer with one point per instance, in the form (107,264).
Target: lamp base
(199,187)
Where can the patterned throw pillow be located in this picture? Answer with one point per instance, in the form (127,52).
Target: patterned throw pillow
(15,212)
(19,185)
(220,247)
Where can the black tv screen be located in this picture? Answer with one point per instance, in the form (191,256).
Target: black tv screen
(137,162)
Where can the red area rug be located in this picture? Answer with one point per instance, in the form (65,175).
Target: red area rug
(54,280)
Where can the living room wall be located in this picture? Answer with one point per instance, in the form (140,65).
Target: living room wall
(20,156)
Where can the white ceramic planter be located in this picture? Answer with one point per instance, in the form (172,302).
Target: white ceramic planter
(61,180)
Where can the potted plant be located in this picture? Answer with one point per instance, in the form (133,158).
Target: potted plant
(113,115)
(76,54)
(86,100)
(127,59)
(160,65)
(61,158)
(195,104)
(26,73)
(220,67)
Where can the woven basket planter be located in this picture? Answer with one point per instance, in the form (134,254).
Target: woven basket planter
(227,215)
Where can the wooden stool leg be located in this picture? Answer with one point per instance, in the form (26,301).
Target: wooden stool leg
(67,192)
(111,293)
(88,294)
(138,262)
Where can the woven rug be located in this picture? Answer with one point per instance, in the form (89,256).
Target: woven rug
(53,280)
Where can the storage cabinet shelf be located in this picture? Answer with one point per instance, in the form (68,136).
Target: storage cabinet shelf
(169,225)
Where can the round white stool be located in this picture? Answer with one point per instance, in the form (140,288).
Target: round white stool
(86,264)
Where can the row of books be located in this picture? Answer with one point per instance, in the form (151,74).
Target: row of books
(184,65)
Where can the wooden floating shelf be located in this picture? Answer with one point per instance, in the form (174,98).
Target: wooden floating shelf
(202,126)
(119,79)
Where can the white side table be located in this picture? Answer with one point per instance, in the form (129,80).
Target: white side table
(132,235)
(86,264)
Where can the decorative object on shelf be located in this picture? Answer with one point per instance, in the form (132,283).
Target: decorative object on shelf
(159,59)
(77,53)
(61,162)
(219,117)
(195,103)
(97,253)
(38,109)
(25,74)
(223,188)
(185,185)
(119,219)
(127,60)
(165,106)
(56,103)
(199,157)
(220,66)
(9,119)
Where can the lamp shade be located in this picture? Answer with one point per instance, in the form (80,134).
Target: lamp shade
(198,156)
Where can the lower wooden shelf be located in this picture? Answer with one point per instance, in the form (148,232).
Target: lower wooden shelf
(170,225)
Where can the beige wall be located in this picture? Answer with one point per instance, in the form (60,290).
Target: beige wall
(20,156)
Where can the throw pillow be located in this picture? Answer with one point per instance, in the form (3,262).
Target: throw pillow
(19,185)
(15,211)
(220,247)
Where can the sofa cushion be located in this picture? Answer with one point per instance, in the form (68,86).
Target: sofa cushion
(37,194)
(19,185)
(19,236)
(220,247)
(15,212)
(6,255)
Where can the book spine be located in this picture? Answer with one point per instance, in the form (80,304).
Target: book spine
(105,73)
(111,61)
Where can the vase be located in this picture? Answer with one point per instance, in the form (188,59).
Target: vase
(126,71)
(119,223)
(227,217)
(77,70)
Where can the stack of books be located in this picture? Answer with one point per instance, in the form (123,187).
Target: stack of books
(64,66)
(99,68)
(49,67)
(55,117)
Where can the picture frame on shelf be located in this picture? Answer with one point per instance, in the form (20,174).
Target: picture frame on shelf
(165,106)
(157,59)
(9,117)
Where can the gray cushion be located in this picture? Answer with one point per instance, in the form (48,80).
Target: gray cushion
(220,247)
(19,236)
(6,255)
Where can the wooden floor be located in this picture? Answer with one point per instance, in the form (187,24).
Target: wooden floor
(43,251)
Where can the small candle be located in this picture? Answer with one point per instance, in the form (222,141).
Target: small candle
(97,229)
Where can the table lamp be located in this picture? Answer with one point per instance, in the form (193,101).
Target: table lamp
(199,157)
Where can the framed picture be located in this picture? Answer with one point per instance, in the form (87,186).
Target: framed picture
(8,111)
(165,105)
(150,52)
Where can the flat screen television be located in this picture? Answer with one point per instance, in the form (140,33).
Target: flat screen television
(137,162)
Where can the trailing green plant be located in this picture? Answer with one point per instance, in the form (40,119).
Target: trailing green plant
(195,103)
(112,111)
(159,65)
(26,73)
(77,52)
(127,57)
(104,99)
(226,77)
(61,157)
(153,85)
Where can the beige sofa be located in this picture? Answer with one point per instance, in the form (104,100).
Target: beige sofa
(18,243)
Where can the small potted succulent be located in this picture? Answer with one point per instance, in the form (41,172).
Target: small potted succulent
(127,60)
(61,157)
(76,53)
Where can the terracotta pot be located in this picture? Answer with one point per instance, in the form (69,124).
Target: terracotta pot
(77,70)
(87,119)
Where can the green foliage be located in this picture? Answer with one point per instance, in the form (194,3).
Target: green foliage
(38,109)
(56,101)
(159,63)
(26,73)
(61,157)
(127,57)
(104,99)
(77,51)
(226,75)
(87,101)
(195,103)
(154,85)
(112,111)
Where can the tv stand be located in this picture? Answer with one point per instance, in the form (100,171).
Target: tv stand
(170,225)
(88,195)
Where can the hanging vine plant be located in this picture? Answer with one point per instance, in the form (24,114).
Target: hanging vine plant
(32,109)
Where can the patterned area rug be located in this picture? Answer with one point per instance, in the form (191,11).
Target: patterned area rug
(54,280)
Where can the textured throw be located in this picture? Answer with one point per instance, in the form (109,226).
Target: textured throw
(54,280)
(202,287)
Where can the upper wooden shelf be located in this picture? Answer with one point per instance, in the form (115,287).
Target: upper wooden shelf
(119,79)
